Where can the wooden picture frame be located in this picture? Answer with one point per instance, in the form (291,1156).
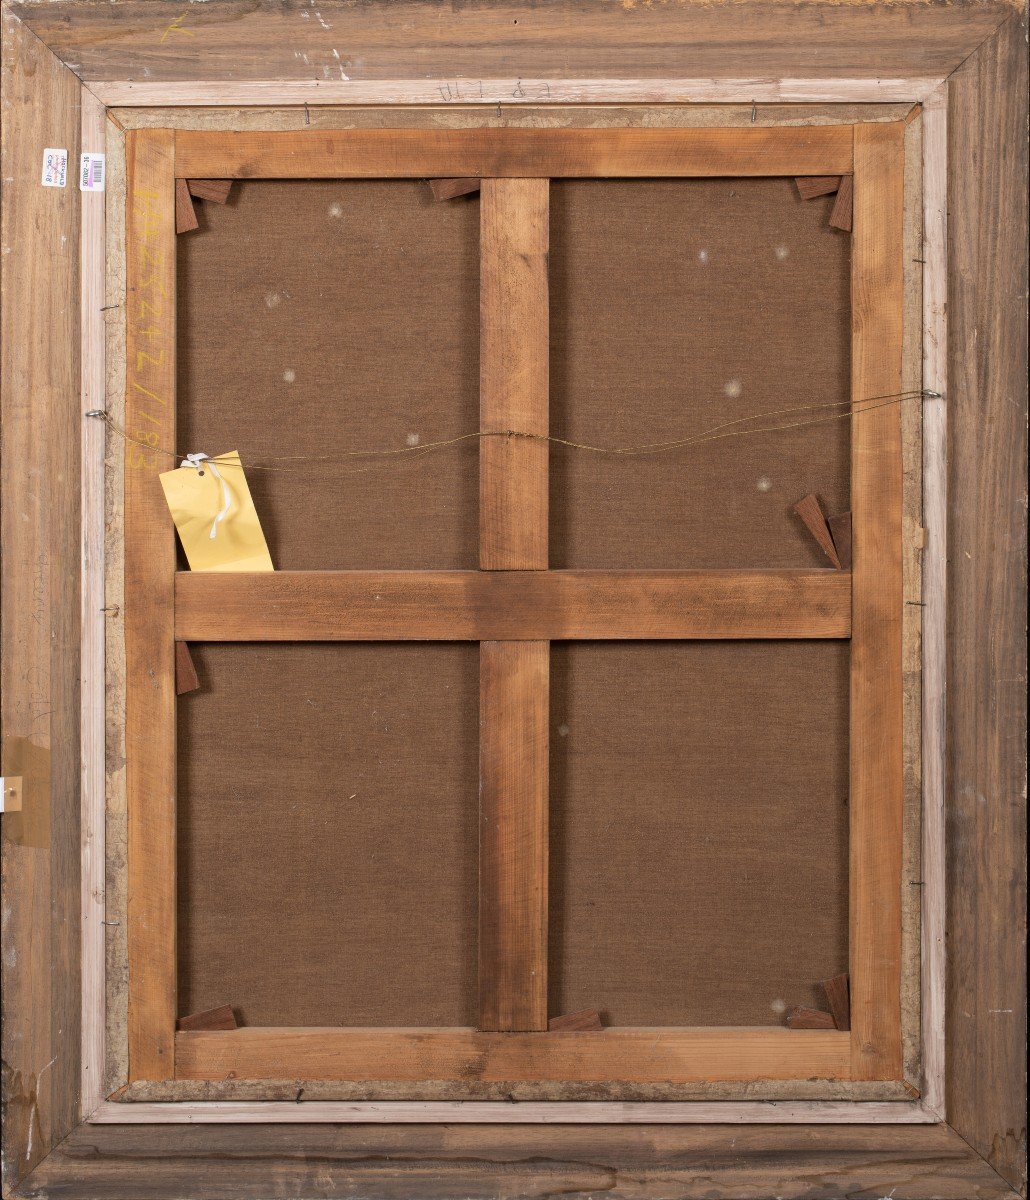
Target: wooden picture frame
(866,53)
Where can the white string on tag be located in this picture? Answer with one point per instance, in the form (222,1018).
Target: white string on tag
(195,461)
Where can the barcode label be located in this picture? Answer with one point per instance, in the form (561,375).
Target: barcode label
(91,173)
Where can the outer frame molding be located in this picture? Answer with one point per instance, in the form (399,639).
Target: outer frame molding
(336,40)
(40,613)
(388,1162)
(988,116)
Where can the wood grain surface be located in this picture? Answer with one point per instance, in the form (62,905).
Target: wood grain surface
(706,1162)
(39,681)
(537,1163)
(233,39)
(933,617)
(876,683)
(513,834)
(514,688)
(149,578)
(479,605)
(345,96)
(514,368)
(93,694)
(987,397)
(635,1055)
(523,153)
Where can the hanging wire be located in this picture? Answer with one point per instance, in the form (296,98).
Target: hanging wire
(729,429)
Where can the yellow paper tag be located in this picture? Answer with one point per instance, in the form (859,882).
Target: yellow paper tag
(216,537)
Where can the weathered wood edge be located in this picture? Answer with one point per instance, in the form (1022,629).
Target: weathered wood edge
(600,115)
(987,594)
(513,93)
(93,617)
(911,634)
(805,1101)
(934,594)
(349,42)
(713,1162)
(40,612)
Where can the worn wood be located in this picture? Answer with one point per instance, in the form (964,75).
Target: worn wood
(722,104)
(449,189)
(483,606)
(230,40)
(116,832)
(876,684)
(185,671)
(840,531)
(913,539)
(93,618)
(641,1055)
(593,1102)
(838,997)
(811,513)
(586,1019)
(987,415)
(514,369)
(513,834)
(512,94)
(934,593)
(185,1103)
(215,190)
(842,215)
(222,1017)
(40,424)
(149,578)
(801,1162)
(185,213)
(515,153)
(810,1018)
(811,186)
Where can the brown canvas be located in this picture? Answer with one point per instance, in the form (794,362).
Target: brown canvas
(319,318)
(327,831)
(699,818)
(327,834)
(698,792)
(679,306)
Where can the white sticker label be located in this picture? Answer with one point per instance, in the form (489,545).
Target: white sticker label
(55,168)
(91,173)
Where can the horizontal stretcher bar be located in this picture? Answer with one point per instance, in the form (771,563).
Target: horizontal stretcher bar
(514,153)
(454,606)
